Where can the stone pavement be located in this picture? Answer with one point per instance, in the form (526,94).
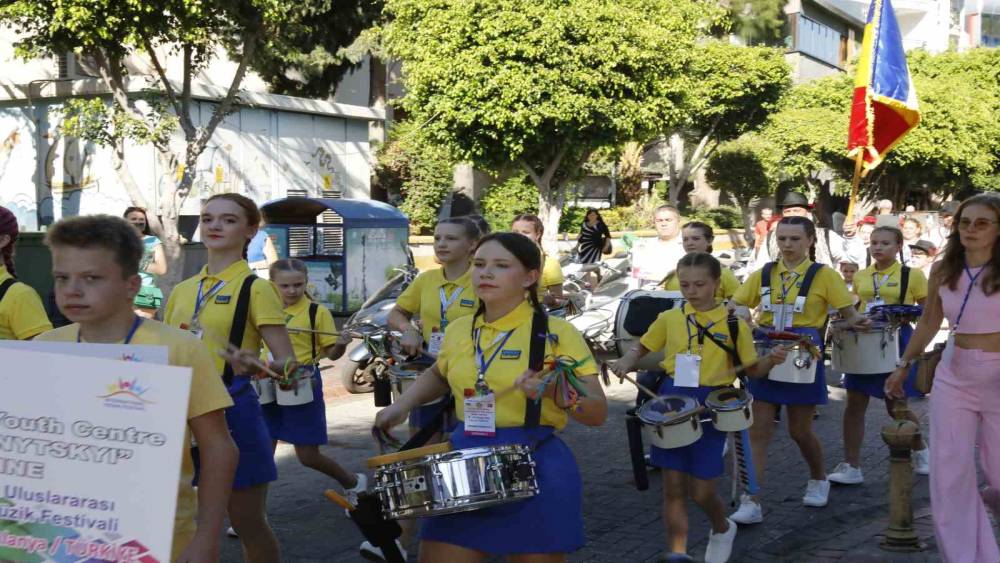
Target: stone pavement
(623,524)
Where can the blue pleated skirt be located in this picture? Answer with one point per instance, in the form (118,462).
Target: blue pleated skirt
(782,393)
(249,432)
(874,385)
(702,459)
(549,522)
(301,425)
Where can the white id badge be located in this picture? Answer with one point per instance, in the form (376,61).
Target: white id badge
(783,318)
(687,370)
(434,344)
(872,304)
(481,415)
(949,350)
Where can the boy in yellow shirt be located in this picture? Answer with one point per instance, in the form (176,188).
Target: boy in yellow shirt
(95,264)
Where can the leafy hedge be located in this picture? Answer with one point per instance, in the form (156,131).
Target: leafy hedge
(503,201)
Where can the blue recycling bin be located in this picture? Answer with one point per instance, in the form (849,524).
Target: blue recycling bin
(351,246)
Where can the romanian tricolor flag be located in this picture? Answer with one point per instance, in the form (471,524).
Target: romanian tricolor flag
(885,103)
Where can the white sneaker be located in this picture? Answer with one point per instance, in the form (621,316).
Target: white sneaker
(846,474)
(720,546)
(372,553)
(231,532)
(922,462)
(749,511)
(352,493)
(817,493)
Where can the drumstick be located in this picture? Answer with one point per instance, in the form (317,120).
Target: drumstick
(306,330)
(643,388)
(336,498)
(233,350)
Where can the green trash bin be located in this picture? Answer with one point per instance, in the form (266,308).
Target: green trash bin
(34,263)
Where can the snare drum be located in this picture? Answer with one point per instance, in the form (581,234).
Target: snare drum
(436,480)
(731,409)
(636,312)
(872,352)
(798,367)
(671,421)
(265,389)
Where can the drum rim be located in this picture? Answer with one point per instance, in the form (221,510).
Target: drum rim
(407,455)
(713,403)
(687,411)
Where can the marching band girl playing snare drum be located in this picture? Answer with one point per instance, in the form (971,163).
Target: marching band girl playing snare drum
(22,315)
(786,307)
(311,331)
(880,284)
(697,237)
(437,297)
(213,304)
(964,404)
(484,358)
(696,369)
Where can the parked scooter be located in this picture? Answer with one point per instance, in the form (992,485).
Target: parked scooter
(596,306)
(356,370)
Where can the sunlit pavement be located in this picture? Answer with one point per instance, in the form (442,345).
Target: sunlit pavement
(623,524)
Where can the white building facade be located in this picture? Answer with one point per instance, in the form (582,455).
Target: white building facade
(272,146)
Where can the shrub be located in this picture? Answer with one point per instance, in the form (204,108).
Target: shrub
(416,174)
(503,201)
(721,217)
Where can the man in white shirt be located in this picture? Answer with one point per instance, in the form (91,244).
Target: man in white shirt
(654,259)
(829,245)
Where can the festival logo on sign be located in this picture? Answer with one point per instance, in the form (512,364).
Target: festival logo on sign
(124,394)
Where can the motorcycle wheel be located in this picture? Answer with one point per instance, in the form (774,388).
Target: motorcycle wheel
(356,377)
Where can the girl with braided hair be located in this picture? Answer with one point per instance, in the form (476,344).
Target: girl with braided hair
(22,315)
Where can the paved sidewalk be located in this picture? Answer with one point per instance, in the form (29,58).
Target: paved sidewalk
(623,524)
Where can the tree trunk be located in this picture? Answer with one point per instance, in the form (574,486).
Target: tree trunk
(676,166)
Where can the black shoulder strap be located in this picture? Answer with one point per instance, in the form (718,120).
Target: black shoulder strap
(904,284)
(5,286)
(765,275)
(536,360)
(313,309)
(808,280)
(239,326)
(734,333)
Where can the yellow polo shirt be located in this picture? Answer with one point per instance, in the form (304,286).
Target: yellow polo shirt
(207,394)
(457,361)
(728,286)
(216,316)
(423,298)
(864,285)
(668,333)
(552,273)
(22,314)
(828,290)
(297,316)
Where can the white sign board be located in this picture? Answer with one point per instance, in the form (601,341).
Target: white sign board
(126,352)
(90,455)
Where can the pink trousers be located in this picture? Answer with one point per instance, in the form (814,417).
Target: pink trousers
(965,407)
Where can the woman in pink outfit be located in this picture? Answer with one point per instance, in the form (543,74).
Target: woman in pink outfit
(965,403)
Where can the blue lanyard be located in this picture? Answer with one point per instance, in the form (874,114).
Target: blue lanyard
(968,292)
(482,363)
(446,303)
(786,290)
(701,332)
(203,297)
(131,331)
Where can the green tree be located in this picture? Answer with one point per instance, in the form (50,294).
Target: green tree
(758,22)
(264,33)
(744,169)
(417,174)
(733,90)
(956,147)
(541,84)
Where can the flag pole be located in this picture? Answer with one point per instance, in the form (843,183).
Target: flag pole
(859,161)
